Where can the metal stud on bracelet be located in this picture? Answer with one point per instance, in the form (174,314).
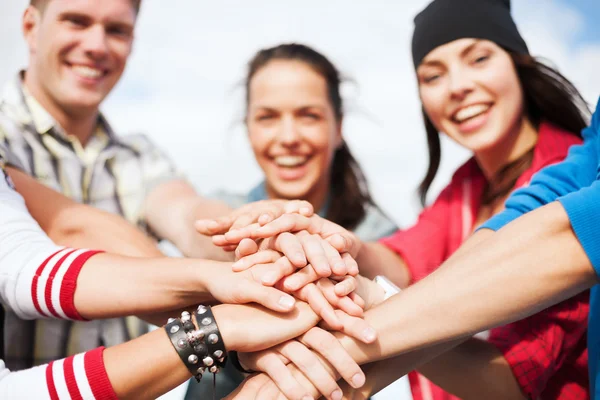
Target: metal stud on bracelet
(217,352)
(186,352)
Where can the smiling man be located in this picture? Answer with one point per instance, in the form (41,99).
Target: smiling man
(51,128)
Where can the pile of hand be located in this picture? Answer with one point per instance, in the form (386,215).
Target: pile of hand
(285,246)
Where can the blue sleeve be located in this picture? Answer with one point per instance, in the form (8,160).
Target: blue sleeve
(583,209)
(577,171)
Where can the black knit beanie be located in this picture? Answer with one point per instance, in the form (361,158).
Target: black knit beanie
(444,21)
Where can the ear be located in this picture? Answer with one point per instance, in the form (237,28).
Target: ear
(30,25)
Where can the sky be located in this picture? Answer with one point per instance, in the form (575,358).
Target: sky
(182,84)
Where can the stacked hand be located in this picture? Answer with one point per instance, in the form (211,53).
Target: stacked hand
(285,247)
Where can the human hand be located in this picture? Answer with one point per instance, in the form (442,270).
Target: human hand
(301,249)
(323,296)
(341,239)
(318,355)
(265,210)
(250,328)
(244,287)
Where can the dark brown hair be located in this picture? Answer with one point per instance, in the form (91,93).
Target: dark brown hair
(41,4)
(349,192)
(549,96)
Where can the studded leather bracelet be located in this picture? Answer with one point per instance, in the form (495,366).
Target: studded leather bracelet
(199,348)
(207,324)
(179,339)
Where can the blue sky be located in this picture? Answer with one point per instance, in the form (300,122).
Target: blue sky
(591,10)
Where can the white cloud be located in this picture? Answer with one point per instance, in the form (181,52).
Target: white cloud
(190,54)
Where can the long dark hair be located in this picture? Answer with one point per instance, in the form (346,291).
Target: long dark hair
(349,192)
(549,96)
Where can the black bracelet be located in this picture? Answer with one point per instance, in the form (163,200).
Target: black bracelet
(207,325)
(235,361)
(190,358)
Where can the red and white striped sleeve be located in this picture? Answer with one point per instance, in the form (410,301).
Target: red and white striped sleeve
(37,277)
(80,377)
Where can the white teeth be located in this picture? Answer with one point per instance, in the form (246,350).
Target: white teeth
(470,112)
(290,161)
(87,72)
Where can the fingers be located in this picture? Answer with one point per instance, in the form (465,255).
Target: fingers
(292,247)
(269,297)
(356,327)
(236,235)
(285,223)
(300,279)
(270,274)
(359,301)
(249,388)
(262,257)
(313,296)
(344,242)
(301,207)
(346,286)
(343,303)
(351,264)
(245,248)
(210,227)
(312,368)
(332,350)
(281,375)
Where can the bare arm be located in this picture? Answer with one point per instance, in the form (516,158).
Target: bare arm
(77,225)
(172,209)
(376,259)
(148,374)
(472,370)
(531,264)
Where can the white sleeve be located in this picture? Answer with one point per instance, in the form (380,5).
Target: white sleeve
(82,376)
(37,277)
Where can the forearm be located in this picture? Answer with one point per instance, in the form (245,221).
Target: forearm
(376,259)
(531,264)
(192,243)
(474,370)
(144,286)
(91,228)
(172,209)
(79,226)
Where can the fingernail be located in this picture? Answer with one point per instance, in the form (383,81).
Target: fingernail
(286,301)
(304,210)
(358,380)
(269,277)
(307,397)
(369,334)
(236,264)
(212,225)
(337,395)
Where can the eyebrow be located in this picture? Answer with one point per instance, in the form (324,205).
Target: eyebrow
(464,52)
(301,108)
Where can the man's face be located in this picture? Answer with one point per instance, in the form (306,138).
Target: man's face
(78,50)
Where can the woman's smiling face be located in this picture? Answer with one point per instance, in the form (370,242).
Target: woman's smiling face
(470,91)
(292,128)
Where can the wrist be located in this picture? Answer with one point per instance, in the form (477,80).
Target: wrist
(226,320)
(202,276)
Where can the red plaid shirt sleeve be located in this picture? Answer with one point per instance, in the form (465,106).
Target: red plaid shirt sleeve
(424,246)
(537,347)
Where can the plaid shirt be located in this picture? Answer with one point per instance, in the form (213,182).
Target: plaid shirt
(547,352)
(112,173)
